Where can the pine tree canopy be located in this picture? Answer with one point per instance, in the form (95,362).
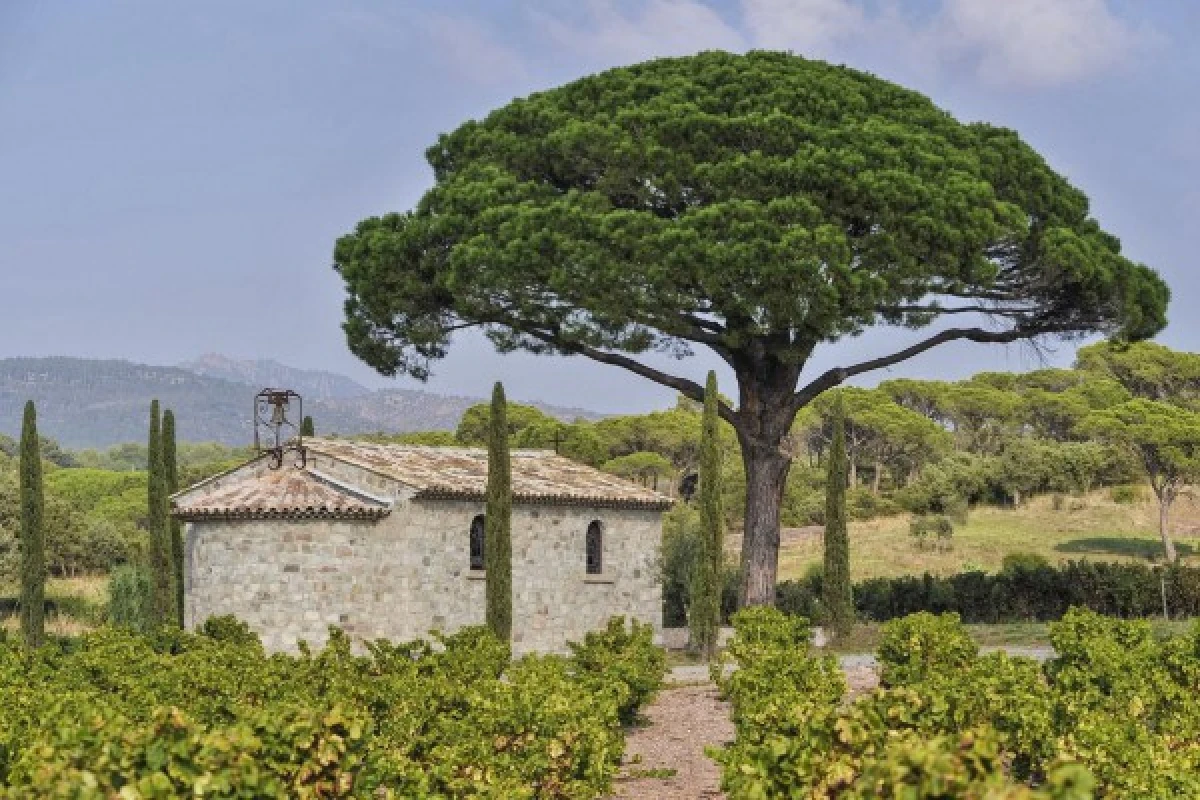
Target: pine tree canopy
(731,201)
(756,205)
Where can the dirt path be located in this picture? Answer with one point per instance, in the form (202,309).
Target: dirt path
(664,760)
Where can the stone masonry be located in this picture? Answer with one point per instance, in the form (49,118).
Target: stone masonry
(401,567)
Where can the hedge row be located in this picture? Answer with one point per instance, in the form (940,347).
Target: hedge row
(1114,714)
(171,714)
(1017,594)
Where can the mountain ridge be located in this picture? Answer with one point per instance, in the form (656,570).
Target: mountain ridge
(97,403)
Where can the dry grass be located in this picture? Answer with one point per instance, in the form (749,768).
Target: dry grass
(1091,527)
(80,604)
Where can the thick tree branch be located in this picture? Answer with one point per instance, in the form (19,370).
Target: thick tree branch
(688,388)
(838,375)
(933,309)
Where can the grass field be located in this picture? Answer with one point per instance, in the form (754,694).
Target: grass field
(75,604)
(1091,527)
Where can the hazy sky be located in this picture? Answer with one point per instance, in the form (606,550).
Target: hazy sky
(173,175)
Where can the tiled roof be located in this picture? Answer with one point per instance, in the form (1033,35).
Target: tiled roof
(259,493)
(538,476)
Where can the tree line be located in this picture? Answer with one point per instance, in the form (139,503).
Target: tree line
(147,591)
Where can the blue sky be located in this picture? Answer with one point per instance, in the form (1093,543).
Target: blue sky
(173,176)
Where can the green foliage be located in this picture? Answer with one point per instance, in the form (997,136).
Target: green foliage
(682,549)
(183,715)
(782,203)
(644,467)
(33,556)
(497,548)
(1023,591)
(1019,560)
(474,427)
(936,526)
(838,597)
(1166,438)
(229,628)
(130,598)
(171,481)
(1145,369)
(626,656)
(705,617)
(1113,715)
(162,576)
(1126,495)
(923,645)
(307,428)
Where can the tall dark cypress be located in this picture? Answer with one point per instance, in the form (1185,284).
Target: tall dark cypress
(838,597)
(33,555)
(705,614)
(497,541)
(307,428)
(162,595)
(171,480)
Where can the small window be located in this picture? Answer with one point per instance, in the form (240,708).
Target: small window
(595,548)
(477,534)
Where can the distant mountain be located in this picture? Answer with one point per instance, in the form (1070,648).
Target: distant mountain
(263,373)
(99,403)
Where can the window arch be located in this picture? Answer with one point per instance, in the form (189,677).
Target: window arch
(595,547)
(478,529)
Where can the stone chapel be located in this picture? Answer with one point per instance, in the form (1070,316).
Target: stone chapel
(386,541)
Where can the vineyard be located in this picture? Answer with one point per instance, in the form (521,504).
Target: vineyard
(1113,715)
(211,715)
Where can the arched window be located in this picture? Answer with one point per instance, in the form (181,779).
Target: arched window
(595,547)
(477,534)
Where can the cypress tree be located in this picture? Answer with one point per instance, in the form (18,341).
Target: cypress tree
(33,555)
(171,480)
(162,595)
(497,541)
(307,428)
(839,601)
(705,616)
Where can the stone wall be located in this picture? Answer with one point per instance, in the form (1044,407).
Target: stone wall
(398,577)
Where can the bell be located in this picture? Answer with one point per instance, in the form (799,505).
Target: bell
(278,417)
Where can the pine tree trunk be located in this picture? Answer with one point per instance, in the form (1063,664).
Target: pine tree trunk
(705,617)
(853,474)
(876,479)
(1164,527)
(766,475)
(839,601)
(497,543)
(33,555)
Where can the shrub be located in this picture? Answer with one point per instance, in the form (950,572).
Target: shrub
(229,628)
(626,656)
(1019,560)
(175,714)
(925,526)
(922,645)
(1112,716)
(1021,592)
(1126,494)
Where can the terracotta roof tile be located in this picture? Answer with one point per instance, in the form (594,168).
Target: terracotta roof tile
(264,493)
(538,476)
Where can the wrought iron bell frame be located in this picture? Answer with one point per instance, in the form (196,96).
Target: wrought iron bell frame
(274,434)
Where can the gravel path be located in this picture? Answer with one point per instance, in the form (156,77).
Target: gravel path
(665,760)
